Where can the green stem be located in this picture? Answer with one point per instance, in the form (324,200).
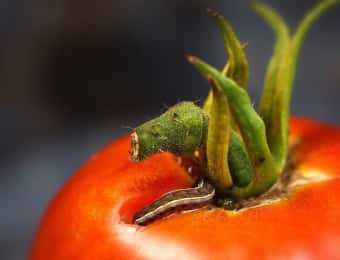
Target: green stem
(275,102)
(280,49)
(237,69)
(176,131)
(218,140)
(182,130)
(272,81)
(240,170)
(255,159)
(239,162)
(252,129)
(237,66)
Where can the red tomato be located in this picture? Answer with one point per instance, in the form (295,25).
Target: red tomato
(91,217)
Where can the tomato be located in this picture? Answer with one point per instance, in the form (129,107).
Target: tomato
(91,217)
(279,203)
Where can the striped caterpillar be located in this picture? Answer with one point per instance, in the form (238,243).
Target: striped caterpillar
(176,200)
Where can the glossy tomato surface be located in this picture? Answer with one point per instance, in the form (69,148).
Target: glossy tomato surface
(91,217)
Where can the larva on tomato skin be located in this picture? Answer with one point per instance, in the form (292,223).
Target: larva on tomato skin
(176,200)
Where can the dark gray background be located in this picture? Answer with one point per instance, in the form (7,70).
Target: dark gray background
(76,74)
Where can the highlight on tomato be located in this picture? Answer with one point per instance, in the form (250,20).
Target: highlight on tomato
(222,181)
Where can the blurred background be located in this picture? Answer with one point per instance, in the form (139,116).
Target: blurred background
(76,74)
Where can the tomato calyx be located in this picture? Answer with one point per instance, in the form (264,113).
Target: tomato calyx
(288,181)
(244,152)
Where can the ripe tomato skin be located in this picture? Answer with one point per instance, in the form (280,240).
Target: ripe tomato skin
(91,216)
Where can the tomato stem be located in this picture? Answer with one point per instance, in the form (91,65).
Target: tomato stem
(251,126)
(272,80)
(219,128)
(239,162)
(237,67)
(182,129)
(180,136)
(218,139)
(275,101)
(239,165)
